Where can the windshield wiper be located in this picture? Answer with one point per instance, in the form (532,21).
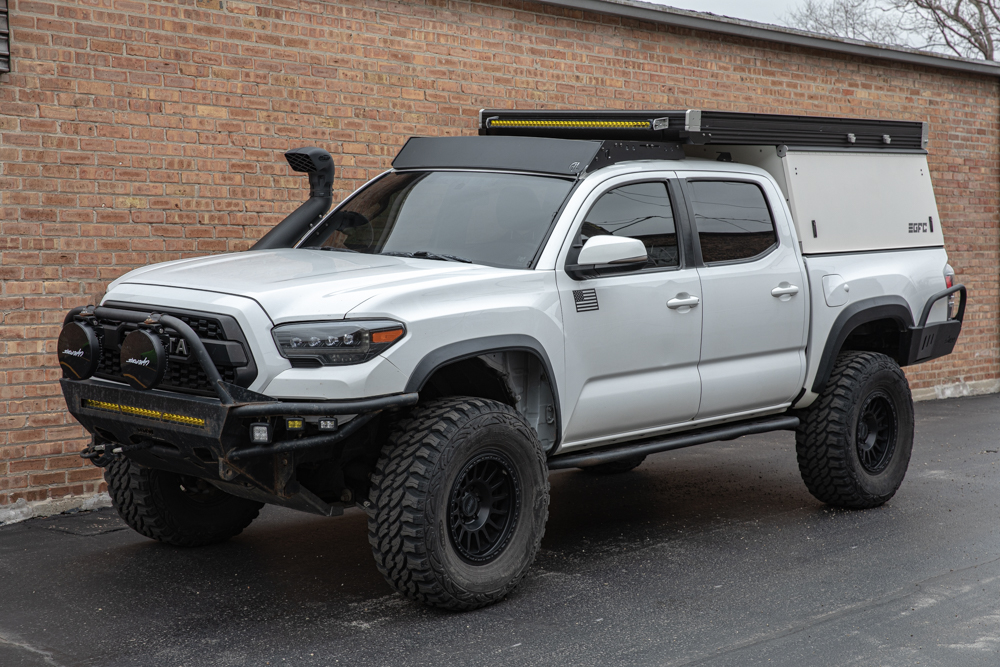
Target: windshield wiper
(329,247)
(423,254)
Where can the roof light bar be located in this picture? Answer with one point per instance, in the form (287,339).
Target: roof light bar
(654,123)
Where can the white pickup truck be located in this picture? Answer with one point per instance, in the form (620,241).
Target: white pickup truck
(566,290)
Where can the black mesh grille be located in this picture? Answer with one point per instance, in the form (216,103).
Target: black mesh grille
(299,162)
(183,374)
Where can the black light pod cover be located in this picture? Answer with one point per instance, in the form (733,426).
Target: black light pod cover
(143,359)
(79,351)
(319,165)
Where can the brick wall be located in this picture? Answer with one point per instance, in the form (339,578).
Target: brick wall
(136,132)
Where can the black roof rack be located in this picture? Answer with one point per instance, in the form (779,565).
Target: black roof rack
(708,127)
(528,154)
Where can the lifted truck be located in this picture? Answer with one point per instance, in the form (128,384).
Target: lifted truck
(566,290)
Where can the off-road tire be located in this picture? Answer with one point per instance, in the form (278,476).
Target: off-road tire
(411,509)
(153,503)
(615,467)
(826,441)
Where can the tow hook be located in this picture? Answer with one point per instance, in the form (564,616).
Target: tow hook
(97,453)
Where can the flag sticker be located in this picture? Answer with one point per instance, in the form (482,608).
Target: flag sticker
(586,299)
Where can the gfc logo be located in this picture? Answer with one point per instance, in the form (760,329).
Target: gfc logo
(918,227)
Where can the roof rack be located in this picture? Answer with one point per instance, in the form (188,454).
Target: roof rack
(695,126)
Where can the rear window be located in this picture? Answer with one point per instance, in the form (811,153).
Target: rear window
(733,220)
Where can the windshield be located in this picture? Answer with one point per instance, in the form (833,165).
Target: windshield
(479,217)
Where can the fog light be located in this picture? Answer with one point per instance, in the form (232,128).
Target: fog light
(260,433)
(295,424)
(328,424)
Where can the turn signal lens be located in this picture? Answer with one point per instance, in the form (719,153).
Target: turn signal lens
(386,336)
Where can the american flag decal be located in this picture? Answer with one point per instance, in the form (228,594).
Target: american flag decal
(586,299)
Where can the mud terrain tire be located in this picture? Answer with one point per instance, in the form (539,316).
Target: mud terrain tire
(175,509)
(854,444)
(458,503)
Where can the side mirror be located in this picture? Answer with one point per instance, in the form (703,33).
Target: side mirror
(603,255)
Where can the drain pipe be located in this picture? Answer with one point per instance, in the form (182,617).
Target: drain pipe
(319,165)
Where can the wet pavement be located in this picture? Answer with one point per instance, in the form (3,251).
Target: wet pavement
(714,555)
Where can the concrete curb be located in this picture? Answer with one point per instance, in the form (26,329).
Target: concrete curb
(23,510)
(957,389)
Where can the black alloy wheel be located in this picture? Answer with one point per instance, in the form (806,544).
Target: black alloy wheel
(876,436)
(484,507)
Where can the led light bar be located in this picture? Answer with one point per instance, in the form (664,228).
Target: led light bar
(579,124)
(142,412)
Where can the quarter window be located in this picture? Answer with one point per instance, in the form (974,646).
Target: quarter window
(733,220)
(639,211)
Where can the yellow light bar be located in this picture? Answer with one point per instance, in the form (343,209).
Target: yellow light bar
(610,124)
(142,412)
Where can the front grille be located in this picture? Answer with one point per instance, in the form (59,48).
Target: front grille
(184,373)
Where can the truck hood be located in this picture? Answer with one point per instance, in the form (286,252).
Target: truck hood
(295,284)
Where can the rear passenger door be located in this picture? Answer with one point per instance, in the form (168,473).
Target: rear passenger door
(754,295)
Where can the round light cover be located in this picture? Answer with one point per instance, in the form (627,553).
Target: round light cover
(79,351)
(143,359)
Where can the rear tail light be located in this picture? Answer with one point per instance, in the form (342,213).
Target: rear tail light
(949,282)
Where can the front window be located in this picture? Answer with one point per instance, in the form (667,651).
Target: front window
(478,217)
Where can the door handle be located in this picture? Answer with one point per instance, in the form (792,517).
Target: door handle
(784,290)
(681,301)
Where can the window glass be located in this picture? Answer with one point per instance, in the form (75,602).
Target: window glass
(479,217)
(639,211)
(733,220)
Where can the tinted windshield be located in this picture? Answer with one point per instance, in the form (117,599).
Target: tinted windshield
(485,218)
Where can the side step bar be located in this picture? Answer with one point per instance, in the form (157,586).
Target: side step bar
(667,443)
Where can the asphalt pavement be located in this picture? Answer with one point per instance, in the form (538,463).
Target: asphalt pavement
(714,555)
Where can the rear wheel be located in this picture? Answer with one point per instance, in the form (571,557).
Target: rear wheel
(458,503)
(854,444)
(176,509)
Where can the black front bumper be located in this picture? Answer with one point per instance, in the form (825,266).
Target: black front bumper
(207,438)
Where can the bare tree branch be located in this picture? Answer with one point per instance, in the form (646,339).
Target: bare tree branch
(967,28)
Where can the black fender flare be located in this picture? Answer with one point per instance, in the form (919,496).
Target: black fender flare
(474,347)
(854,315)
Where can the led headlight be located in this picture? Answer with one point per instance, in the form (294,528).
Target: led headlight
(337,343)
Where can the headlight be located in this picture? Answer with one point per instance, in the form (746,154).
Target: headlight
(336,343)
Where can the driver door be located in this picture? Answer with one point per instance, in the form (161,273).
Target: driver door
(631,351)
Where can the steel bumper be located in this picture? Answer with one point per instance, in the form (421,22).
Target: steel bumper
(924,342)
(207,438)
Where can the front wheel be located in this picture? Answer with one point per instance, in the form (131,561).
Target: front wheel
(175,509)
(458,503)
(854,444)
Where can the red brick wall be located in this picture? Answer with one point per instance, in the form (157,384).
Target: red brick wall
(134,132)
